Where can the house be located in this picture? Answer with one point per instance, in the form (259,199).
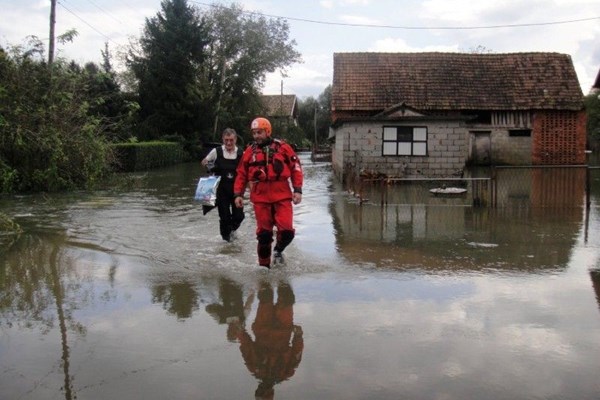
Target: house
(431,114)
(281,109)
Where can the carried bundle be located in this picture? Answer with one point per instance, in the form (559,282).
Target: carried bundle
(206,192)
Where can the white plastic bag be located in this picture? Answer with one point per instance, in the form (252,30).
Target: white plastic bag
(206,192)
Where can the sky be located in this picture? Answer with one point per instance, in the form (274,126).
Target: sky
(321,28)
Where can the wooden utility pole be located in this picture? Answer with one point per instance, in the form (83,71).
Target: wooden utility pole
(52,23)
(315,126)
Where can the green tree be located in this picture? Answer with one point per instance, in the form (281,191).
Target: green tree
(171,52)
(592,108)
(48,140)
(108,103)
(315,114)
(307,109)
(244,47)
(324,115)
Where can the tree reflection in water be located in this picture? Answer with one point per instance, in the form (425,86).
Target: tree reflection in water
(40,286)
(179,299)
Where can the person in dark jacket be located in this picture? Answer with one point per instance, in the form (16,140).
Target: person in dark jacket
(224,160)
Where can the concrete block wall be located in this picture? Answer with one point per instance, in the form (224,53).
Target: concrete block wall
(360,144)
(507,150)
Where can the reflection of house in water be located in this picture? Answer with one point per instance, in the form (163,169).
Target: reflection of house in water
(535,225)
(541,187)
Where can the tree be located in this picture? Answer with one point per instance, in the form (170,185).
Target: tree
(244,47)
(199,72)
(172,50)
(48,140)
(315,114)
(592,108)
(307,109)
(324,115)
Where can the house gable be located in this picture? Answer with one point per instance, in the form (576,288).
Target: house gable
(399,111)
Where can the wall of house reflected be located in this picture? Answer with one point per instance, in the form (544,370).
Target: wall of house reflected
(535,224)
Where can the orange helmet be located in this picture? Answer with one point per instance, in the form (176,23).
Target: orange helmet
(261,123)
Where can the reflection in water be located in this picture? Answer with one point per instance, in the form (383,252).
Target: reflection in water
(595,275)
(179,299)
(505,308)
(232,309)
(276,350)
(42,281)
(535,228)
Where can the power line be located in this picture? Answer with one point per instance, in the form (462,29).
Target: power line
(406,27)
(104,11)
(87,23)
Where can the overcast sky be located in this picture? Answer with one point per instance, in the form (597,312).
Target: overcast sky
(323,27)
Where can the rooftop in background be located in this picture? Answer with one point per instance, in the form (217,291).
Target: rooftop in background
(280,105)
(444,81)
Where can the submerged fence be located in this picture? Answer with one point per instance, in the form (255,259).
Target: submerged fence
(499,186)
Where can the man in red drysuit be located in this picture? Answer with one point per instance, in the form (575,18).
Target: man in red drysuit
(269,165)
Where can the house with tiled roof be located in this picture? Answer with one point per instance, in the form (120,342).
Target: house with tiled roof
(431,114)
(281,109)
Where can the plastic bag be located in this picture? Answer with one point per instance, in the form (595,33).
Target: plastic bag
(206,192)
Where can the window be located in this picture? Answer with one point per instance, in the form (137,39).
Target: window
(404,141)
(519,132)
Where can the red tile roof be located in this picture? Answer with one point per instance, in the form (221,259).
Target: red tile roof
(454,81)
(278,105)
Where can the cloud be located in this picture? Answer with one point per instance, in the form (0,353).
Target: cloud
(307,79)
(359,20)
(400,45)
(355,2)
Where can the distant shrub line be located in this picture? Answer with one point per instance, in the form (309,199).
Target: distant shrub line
(131,157)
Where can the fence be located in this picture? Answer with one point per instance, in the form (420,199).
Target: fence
(499,186)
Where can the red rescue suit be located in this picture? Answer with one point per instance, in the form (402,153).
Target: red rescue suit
(268,168)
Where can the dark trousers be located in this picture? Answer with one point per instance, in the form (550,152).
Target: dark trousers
(230,217)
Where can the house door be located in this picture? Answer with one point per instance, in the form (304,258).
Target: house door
(480,151)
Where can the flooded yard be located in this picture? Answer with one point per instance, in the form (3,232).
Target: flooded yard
(130,293)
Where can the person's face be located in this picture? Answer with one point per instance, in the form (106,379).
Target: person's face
(229,142)
(259,135)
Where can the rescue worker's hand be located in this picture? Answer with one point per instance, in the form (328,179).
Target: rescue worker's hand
(239,202)
(296,198)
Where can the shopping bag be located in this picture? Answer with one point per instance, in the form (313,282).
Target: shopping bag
(206,191)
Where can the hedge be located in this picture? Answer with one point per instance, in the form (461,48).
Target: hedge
(147,155)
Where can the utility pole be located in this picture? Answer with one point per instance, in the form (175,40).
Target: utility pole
(52,23)
(315,125)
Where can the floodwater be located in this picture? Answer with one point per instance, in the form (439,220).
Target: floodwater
(129,293)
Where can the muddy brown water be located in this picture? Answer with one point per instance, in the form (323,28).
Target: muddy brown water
(129,292)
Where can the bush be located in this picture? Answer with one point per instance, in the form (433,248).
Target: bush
(48,142)
(146,155)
